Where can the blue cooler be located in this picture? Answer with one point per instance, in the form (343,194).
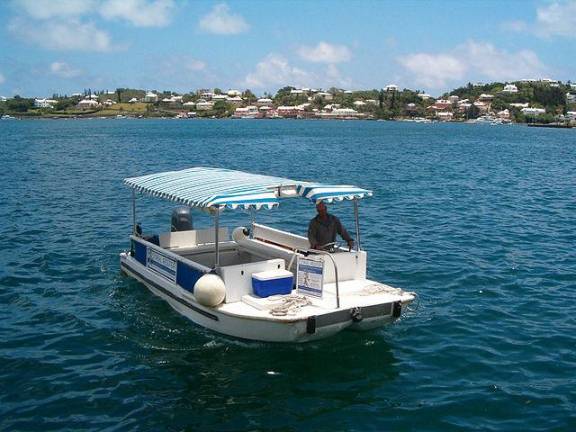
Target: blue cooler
(272,282)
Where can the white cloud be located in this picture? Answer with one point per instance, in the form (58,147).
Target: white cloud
(140,13)
(194,65)
(557,19)
(221,21)
(471,61)
(325,53)
(275,70)
(433,70)
(71,35)
(335,78)
(64,70)
(554,19)
(2,79)
(46,9)
(501,65)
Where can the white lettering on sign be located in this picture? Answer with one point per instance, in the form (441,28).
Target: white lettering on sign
(161,264)
(310,277)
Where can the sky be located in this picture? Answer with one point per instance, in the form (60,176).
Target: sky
(66,46)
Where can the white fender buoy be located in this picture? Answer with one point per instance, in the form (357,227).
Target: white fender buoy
(239,234)
(210,290)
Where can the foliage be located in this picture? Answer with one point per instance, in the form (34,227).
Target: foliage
(19,104)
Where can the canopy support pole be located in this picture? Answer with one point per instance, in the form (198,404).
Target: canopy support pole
(252,221)
(216,236)
(133,212)
(357,220)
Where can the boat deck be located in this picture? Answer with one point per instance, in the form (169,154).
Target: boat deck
(353,293)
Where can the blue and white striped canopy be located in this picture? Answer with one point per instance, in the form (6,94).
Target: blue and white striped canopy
(216,187)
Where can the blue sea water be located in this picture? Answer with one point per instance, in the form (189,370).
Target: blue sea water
(479,221)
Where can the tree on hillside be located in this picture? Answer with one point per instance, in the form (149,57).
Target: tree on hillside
(119,95)
(19,104)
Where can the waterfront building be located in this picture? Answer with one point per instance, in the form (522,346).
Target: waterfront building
(287,111)
(533,111)
(444,115)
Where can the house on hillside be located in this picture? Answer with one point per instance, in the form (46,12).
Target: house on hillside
(151,97)
(264,102)
(533,111)
(85,104)
(510,88)
(44,103)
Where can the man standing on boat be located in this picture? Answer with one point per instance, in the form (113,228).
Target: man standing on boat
(323,228)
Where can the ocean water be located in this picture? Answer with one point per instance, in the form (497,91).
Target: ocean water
(479,221)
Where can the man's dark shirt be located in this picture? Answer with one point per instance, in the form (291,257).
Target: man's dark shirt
(321,232)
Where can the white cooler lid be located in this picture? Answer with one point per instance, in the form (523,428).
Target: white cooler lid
(272,274)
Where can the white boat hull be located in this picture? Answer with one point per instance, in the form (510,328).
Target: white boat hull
(301,329)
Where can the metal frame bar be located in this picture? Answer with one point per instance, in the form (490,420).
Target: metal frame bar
(357,220)
(321,252)
(133,211)
(216,236)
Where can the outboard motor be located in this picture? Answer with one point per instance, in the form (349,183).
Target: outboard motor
(181,219)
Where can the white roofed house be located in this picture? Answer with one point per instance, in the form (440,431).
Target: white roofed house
(510,88)
(325,95)
(359,104)
(236,100)
(151,97)
(264,102)
(530,111)
(85,104)
(570,98)
(203,105)
(133,100)
(297,92)
(250,111)
(287,111)
(391,88)
(189,104)
(444,115)
(233,93)
(44,103)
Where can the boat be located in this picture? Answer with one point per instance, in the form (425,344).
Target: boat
(255,281)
